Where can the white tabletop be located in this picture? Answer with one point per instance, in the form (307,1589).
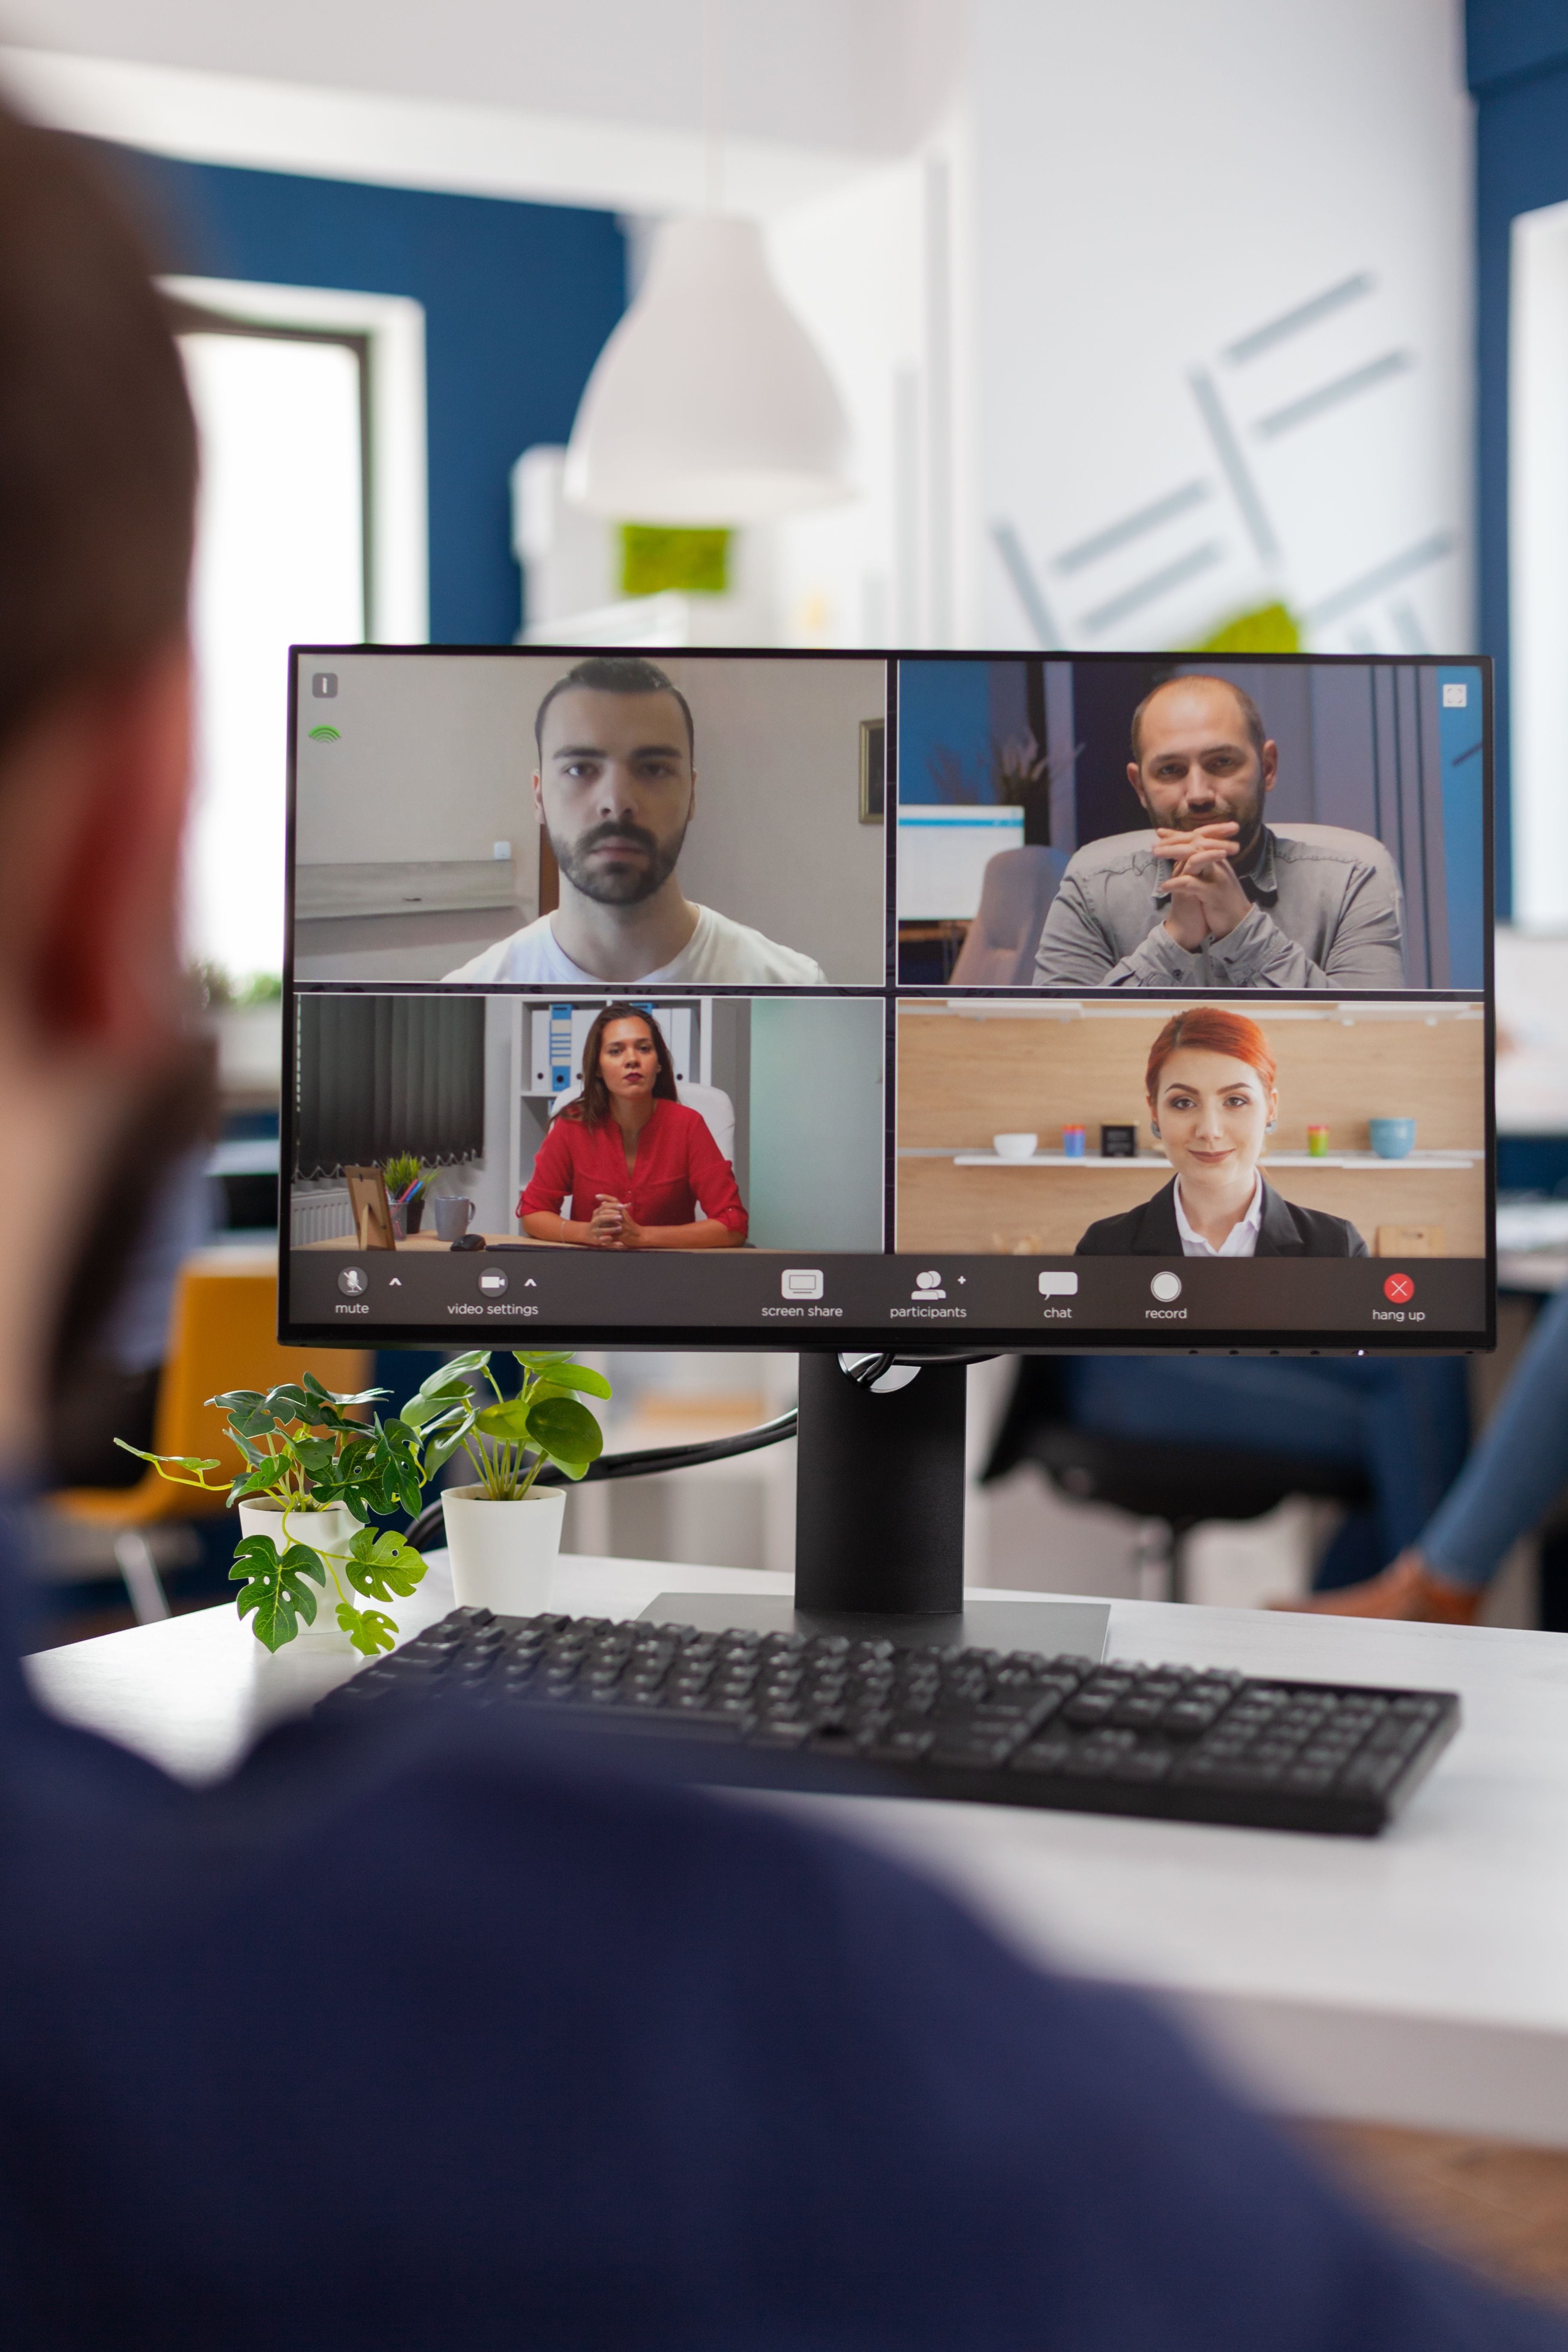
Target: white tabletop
(1420,1977)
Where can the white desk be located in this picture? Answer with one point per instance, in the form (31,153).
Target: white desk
(1419,1978)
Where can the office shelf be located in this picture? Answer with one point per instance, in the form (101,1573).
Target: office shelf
(1148,1164)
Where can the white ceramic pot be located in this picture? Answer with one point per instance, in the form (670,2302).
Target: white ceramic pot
(336,1527)
(502,1553)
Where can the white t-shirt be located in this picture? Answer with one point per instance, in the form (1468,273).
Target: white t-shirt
(1240,1242)
(718,950)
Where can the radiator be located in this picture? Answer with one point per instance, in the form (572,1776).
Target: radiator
(320,1217)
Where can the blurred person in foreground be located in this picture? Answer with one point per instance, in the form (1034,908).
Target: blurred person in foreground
(435,2031)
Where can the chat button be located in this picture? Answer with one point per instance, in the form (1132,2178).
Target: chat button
(1059,1285)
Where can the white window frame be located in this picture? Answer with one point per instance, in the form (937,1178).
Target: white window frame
(397,592)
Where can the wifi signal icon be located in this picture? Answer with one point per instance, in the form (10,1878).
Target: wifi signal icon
(324,735)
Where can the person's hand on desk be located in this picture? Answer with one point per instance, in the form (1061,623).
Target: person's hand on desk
(1207,900)
(613,1226)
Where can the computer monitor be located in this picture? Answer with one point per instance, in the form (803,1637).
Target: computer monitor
(984,1000)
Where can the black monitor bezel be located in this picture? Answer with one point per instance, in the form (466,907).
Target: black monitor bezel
(974,1340)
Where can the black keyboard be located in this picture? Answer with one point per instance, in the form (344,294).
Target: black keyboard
(1014,1729)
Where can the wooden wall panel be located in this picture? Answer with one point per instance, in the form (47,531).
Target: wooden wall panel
(963,1079)
(1043,1211)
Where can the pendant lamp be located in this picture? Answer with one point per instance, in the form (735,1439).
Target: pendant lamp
(709,405)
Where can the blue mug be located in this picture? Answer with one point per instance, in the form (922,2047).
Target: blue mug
(1392,1139)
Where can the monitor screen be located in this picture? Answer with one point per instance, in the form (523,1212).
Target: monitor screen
(956,1000)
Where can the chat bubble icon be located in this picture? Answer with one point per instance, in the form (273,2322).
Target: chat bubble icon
(1059,1285)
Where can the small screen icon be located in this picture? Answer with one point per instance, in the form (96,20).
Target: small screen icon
(801,1282)
(1059,1285)
(1399,1290)
(324,685)
(1456,695)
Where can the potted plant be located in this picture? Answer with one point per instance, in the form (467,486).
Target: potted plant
(404,1178)
(503,1531)
(314,1477)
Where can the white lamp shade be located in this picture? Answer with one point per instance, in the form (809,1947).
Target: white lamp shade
(709,403)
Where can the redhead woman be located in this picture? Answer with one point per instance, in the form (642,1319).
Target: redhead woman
(1212,1102)
(641,1171)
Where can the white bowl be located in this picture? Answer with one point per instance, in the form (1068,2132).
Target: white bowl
(1014,1147)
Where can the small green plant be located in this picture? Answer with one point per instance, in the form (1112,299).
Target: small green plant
(403,1168)
(304,1449)
(510,1442)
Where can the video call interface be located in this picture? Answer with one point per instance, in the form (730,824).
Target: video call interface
(908,1000)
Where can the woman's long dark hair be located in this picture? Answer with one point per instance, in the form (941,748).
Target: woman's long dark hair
(592,1105)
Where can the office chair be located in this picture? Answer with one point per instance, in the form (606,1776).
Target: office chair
(223,1328)
(998,951)
(1180,1486)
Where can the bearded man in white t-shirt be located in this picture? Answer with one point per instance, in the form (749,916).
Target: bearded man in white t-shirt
(615,789)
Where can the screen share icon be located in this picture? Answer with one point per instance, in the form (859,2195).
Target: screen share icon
(801,1282)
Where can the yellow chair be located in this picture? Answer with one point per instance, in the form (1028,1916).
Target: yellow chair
(222,1335)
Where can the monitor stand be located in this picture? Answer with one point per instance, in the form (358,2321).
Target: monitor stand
(879,1545)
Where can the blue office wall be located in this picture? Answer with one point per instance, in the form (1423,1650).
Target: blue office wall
(518,299)
(1518,66)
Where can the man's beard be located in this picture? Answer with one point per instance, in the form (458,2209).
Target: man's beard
(618,886)
(1247,820)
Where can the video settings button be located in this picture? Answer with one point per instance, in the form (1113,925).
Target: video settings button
(492,1282)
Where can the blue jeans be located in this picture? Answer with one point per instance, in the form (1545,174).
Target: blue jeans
(1518,1465)
(1403,1421)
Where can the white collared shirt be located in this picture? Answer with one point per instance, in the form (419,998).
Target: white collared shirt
(1240,1242)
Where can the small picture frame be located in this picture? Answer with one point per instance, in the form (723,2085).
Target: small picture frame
(873,771)
(1118,1142)
(370,1209)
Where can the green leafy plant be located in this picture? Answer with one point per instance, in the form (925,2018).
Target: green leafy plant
(508,1442)
(304,1449)
(403,1169)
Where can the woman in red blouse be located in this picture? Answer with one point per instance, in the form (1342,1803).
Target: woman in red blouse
(635,1160)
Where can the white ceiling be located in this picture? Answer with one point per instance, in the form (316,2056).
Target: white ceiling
(854,76)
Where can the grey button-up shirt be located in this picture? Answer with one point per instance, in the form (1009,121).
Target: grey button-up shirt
(1326,912)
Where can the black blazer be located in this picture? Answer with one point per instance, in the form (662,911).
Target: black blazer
(1287,1230)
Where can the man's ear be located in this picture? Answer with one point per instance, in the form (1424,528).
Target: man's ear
(95,801)
(1271,763)
(538,796)
(1135,778)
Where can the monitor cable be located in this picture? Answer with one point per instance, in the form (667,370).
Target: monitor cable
(883,1374)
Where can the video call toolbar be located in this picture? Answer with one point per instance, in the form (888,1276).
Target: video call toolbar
(666,966)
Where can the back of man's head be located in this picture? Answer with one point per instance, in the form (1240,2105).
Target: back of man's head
(98,454)
(616,673)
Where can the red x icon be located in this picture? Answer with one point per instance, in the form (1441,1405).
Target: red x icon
(1399,1290)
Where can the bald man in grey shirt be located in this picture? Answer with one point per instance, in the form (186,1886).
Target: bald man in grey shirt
(1212,898)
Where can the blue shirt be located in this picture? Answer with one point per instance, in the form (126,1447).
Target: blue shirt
(433,2032)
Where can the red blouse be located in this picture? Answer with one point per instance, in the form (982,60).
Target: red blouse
(678,1165)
